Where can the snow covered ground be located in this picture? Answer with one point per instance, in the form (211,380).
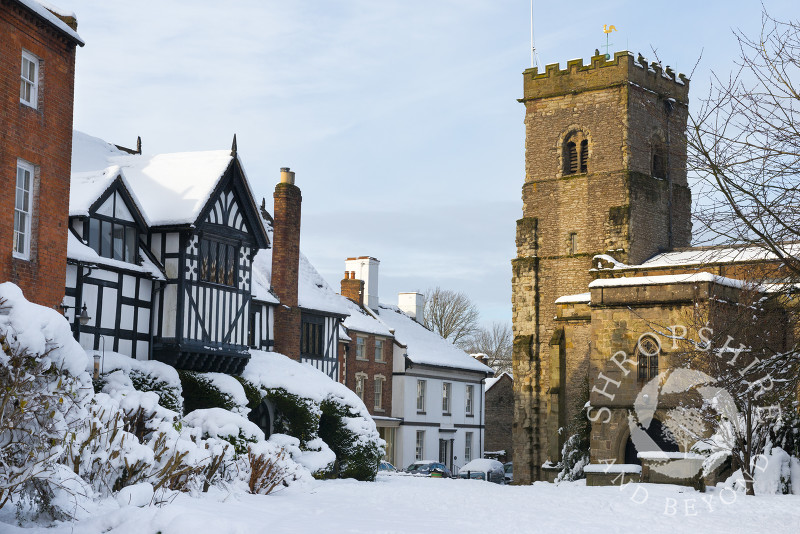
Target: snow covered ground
(404,504)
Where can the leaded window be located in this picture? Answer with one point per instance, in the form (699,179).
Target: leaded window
(312,335)
(647,350)
(112,230)
(218,262)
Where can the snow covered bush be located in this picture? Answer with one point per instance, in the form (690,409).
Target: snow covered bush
(212,390)
(270,467)
(145,376)
(324,415)
(295,415)
(43,389)
(227,426)
(575,452)
(358,452)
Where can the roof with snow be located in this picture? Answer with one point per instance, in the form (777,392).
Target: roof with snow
(313,292)
(666,279)
(574,299)
(427,347)
(169,189)
(704,256)
(494,380)
(48,12)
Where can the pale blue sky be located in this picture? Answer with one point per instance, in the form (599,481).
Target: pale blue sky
(399,117)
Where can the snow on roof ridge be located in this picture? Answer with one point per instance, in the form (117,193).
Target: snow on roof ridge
(426,347)
(169,188)
(714,254)
(51,14)
(79,251)
(578,297)
(667,279)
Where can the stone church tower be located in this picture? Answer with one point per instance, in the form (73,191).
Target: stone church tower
(605,173)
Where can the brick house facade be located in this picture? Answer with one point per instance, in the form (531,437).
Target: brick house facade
(36,135)
(366,358)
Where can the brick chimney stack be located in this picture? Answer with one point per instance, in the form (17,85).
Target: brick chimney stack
(353,288)
(285,264)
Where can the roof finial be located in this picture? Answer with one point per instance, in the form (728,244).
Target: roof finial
(233,146)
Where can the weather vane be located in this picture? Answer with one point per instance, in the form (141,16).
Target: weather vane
(607,30)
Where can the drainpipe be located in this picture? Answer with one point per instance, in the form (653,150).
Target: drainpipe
(157,287)
(668,107)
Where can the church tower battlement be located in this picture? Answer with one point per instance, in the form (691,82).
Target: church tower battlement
(605,173)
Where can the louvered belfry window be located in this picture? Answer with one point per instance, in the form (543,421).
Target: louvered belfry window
(576,154)
(584,155)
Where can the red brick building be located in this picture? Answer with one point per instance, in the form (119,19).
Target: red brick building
(37,75)
(366,354)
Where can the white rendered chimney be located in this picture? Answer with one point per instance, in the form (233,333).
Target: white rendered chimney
(413,304)
(366,269)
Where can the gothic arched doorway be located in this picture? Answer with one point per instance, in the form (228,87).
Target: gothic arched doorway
(658,434)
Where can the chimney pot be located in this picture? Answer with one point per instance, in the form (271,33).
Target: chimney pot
(287,176)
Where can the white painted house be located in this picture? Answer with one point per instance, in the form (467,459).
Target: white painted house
(438,392)
(437,388)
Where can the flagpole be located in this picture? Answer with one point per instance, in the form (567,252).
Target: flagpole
(533,48)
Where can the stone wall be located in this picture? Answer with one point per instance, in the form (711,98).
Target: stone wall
(615,207)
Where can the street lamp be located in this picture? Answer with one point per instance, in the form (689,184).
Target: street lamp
(83,317)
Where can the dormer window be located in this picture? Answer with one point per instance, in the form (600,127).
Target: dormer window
(576,154)
(112,230)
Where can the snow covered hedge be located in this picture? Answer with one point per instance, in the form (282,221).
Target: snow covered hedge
(313,408)
(65,445)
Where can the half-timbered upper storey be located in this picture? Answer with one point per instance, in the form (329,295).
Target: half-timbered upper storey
(190,214)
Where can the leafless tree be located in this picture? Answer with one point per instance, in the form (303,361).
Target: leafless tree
(744,144)
(744,343)
(496,342)
(451,314)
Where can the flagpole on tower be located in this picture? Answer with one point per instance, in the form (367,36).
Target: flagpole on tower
(534,58)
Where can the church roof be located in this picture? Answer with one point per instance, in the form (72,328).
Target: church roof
(710,255)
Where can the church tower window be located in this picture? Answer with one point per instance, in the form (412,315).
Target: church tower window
(659,162)
(647,350)
(576,154)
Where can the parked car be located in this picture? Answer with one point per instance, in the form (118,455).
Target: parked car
(484,469)
(429,468)
(509,469)
(386,467)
